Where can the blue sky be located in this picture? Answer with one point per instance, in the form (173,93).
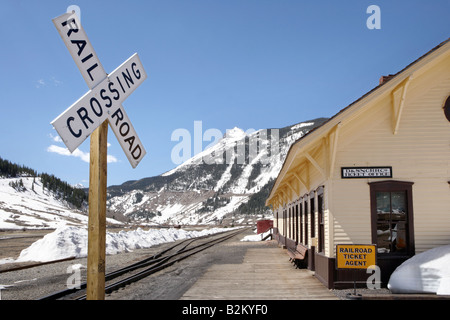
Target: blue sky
(246,63)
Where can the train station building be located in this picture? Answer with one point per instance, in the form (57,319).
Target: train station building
(377,172)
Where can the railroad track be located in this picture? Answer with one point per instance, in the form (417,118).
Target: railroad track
(149,266)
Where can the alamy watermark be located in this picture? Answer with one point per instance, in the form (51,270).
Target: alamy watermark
(76,9)
(74,280)
(238,147)
(374,20)
(374,281)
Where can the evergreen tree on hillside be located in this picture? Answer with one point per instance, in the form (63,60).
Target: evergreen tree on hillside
(63,190)
(257,202)
(13,170)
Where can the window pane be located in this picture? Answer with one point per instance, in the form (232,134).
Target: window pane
(383,237)
(320,208)
(398,205)
(399,237)
(383,202)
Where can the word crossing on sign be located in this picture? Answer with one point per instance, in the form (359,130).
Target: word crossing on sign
(86,114)
(104,100)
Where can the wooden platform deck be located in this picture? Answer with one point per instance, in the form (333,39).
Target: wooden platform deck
(265,274)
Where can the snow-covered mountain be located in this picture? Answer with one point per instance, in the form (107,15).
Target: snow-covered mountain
(224,184)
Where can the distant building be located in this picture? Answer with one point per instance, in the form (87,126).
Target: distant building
(378,172)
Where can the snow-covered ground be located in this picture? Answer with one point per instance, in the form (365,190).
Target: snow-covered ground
(256,236)
(71,241)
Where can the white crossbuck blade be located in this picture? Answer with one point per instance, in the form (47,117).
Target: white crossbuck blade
(104,100)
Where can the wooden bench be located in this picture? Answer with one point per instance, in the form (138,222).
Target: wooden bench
(298,255)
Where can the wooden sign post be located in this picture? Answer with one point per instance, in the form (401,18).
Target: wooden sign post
(89,116)
(95,289)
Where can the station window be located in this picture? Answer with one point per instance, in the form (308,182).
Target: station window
(392,217)
(293,221)
(297,239)
(301,219)
(306,219)
(289,222)
(320,209)
(313,214)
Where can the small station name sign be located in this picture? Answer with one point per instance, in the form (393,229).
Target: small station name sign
(355,256)
(366,172)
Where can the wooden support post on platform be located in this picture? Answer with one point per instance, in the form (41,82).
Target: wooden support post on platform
(97,214)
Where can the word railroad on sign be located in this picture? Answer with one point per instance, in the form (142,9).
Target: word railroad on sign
(89,116)
(104,99)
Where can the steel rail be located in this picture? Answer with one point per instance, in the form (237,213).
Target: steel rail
(34,265)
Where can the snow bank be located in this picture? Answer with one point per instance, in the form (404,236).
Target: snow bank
(69,241)
(64,242)
(256,237)
(427,272)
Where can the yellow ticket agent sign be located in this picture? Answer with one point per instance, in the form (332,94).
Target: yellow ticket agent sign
(355,256)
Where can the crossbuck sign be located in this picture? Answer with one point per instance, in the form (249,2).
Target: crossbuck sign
(104,99)
(89,116)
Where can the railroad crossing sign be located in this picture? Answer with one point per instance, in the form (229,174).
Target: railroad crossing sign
(103,100)
(89,116)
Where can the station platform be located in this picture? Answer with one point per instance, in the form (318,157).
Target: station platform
(264,274)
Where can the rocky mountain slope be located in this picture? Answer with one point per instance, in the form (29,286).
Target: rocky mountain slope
(224,184)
